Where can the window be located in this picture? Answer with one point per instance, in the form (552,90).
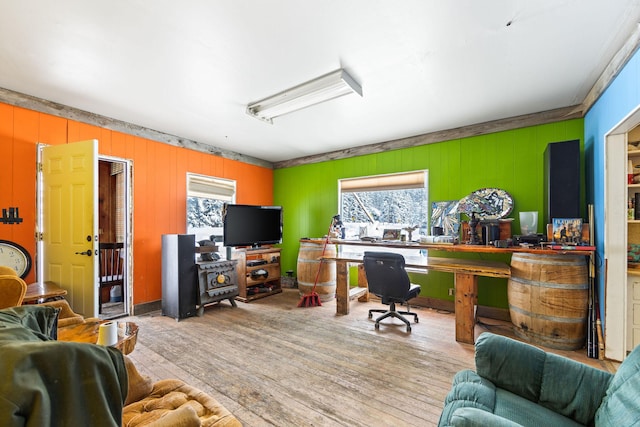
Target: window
(371,205)
(205,198)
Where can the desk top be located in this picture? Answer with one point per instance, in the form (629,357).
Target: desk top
(454,247)
(448,265)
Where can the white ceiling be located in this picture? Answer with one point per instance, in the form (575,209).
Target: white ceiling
(189,68)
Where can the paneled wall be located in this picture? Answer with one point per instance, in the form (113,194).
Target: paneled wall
(511,160)
(159,184)
(620,100)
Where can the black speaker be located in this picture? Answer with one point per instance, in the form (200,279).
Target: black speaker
(179,276)
(562,180)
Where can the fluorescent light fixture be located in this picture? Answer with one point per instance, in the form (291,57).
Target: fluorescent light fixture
(332,85)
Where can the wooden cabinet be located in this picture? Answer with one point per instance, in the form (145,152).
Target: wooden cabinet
(258,273)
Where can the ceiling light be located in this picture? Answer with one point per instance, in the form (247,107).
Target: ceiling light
(324,88)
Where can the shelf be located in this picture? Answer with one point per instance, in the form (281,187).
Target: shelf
(632,228)
(247,283)
(357,292)
(258,296)
(206,249)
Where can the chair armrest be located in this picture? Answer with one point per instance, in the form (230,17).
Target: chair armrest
(474,417)
(565,386)
(66,316)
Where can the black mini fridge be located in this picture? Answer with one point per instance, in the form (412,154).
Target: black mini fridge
(179,275)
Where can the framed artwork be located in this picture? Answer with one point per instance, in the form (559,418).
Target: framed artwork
(391,234)
(446,216)
(567,231)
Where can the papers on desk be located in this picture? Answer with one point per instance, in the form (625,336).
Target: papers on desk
(438,240)
(397,242)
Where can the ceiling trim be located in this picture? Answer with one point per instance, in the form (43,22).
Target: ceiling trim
(517,122)
(18,99)
(612,69)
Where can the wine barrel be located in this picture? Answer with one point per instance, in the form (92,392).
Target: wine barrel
(309,266)
(549,299)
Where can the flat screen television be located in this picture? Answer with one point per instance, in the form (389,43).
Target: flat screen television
(251,225)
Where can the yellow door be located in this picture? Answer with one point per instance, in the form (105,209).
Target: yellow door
(70,223)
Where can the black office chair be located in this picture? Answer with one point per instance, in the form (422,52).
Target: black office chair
(389,280)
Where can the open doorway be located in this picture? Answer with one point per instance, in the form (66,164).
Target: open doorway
(622,284)
(114,219)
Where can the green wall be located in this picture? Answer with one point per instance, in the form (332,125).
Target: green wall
(511,160)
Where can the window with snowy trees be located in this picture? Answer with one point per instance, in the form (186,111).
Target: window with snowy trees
(206,197)
(370,205)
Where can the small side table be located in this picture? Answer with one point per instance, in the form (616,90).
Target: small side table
(87,332)
(42,292)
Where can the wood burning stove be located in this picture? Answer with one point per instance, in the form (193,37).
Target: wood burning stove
(217,281)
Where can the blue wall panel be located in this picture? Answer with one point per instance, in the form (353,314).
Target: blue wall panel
(619,100)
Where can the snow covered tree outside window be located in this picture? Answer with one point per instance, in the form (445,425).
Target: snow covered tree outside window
(206,197)
(370,205)
(203,212)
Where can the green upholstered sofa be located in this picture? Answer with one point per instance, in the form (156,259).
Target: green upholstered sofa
(517,384)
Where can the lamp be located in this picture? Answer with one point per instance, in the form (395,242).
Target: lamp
(332,85)
(471,205)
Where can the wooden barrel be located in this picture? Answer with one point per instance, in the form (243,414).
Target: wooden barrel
(309,265)
(549,299)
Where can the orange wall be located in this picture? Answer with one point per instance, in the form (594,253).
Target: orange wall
(159,184)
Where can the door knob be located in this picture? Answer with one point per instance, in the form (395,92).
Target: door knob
(87,252)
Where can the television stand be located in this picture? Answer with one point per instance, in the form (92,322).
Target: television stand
(258,271)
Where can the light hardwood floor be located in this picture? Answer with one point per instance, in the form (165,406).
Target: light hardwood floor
(274,364)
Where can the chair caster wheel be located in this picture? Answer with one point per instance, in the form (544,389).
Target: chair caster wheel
(370,316)
(377,326)
(417,320)
(408,328)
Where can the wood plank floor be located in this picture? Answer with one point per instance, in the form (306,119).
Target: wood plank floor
(274,364)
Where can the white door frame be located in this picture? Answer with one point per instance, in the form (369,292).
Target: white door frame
(128,227)
(615,237)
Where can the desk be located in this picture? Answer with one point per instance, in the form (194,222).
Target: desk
(465,272)
(41,292)
(481,249)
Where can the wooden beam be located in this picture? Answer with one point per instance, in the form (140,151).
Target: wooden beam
(48,107)
(612,70)
(342,292)
(466,299)
(517,122)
